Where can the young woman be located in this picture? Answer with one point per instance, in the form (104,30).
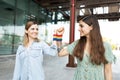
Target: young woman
(29,56)
(94,57)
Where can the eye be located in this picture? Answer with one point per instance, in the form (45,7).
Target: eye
(37,29)
(81,26)
(32,29)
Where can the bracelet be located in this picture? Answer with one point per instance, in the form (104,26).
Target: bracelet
(57,37)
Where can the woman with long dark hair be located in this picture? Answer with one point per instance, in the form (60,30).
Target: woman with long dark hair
(94,57)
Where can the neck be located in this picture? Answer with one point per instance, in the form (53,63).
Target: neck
(30,42)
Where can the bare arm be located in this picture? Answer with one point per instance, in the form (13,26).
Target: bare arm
(108,71)
(63,52)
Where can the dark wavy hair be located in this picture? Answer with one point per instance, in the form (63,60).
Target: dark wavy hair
(97,49)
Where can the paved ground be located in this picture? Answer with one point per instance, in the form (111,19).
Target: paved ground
(55,67)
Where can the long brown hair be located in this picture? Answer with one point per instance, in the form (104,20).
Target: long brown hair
(97,49)
(27,26)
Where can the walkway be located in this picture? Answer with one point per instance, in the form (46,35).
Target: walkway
(55,67)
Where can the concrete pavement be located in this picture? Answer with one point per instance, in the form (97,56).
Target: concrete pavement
(54,67)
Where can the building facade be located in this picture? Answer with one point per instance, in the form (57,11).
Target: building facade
(13,15)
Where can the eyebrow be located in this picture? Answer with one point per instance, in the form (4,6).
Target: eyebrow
(34,28)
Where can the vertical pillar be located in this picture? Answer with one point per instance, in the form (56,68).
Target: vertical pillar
(14,22)
(71,62)
(56,18)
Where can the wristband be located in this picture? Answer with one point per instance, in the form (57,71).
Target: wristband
(57,37)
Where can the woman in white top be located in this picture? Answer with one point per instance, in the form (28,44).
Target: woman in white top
(29,56)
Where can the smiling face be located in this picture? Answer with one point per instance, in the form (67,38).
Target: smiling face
(84,28)
(32,31)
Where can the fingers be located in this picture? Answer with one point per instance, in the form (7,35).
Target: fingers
(60,29)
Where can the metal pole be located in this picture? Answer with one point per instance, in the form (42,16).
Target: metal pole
(71,62)
(14,22)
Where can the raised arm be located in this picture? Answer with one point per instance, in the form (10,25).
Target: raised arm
(57,36)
